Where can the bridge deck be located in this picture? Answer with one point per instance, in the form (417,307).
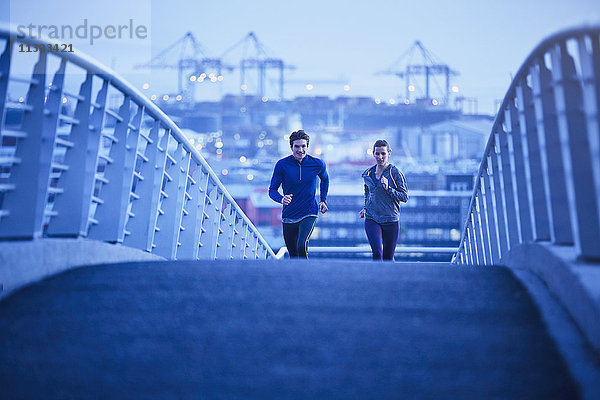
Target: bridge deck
(316,329)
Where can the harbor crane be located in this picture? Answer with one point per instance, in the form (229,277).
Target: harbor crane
(255,57)
(191,63)
(427,66)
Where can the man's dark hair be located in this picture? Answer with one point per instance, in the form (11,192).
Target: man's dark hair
(381,143)
(298,135)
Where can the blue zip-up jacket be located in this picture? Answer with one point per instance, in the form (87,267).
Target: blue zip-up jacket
(300,180)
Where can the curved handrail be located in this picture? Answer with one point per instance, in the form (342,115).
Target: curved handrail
(145,107)
(540,110)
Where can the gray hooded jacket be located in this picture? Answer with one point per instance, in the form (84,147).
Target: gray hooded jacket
(383,206)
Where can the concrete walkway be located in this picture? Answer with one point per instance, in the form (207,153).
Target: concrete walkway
(278,330)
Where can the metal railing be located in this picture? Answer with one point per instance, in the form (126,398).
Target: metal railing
(539,179)
(105,163)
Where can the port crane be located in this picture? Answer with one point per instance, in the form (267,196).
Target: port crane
(426,65)
(191,62)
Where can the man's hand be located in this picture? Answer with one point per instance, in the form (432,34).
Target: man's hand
(362,213)
(323,207)
(287,199)
(384,182)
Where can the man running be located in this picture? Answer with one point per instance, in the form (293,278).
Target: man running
(297,174)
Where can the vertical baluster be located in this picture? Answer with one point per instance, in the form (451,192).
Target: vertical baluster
(499,198)
(111,211)
(521,173)
(590,70)
(5,59)
(30,169)
(575,145)
(472,260)
(529,135)
(485,225)
(190,237)
(210,225)
(228,228)
(73,205)
(244,241)
(508,190)
(238,241)
(169,224)
(128,197)
(479,245)
(551,161)
(490,210)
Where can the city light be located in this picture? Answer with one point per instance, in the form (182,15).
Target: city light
(242,159)
(153,97)
(309,87)
(199,146)
(346,87)
(392,101)
(179,97)
(318,151)
(265,99)
(434,102)
(211,75)
(220,78)
(213,79)
(455,89)
(224,171)
(244,87)
(64,100)
(377,100)
(406,101)
(166,97)
(243,109)
(411,88)
(202,75)
(219,145)
(219,152)
(21,100)
(369,151)
(193,78)
(250,177)
(146,86)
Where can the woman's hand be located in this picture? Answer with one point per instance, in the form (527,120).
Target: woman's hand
(384,182)
(362,213)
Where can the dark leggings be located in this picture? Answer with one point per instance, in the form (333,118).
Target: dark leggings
(382,238)
(296,237)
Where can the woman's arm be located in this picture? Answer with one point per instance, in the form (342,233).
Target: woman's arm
(399,191)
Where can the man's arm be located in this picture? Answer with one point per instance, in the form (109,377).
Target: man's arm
(324,187)
(276,181)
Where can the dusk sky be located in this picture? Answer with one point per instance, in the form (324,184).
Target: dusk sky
(486,41)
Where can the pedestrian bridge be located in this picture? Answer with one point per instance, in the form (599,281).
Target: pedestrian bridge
(177,295)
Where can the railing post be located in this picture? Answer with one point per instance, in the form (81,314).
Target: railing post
(521,174)
(169,224)
(484,225)
(500,205)
(508,191)
(590,77)
(111,210)
(192,223)
(490,211)
(72,207)
(25,205)
(575,146)
(533,168)
(551,161)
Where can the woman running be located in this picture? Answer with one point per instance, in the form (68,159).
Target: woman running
(385,188)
